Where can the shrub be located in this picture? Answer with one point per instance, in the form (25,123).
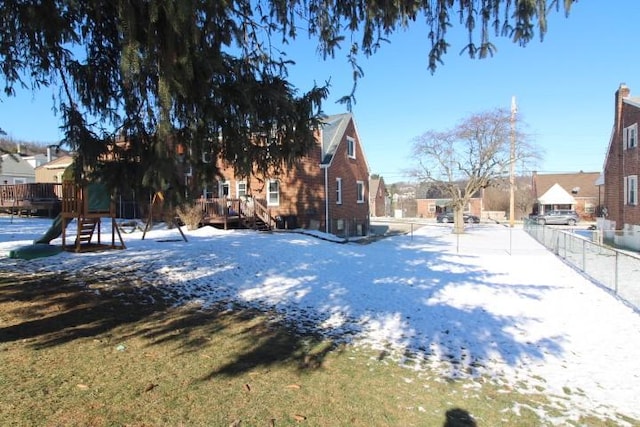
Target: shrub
(191,215)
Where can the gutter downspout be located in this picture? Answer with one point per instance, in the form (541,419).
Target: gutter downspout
(326,198)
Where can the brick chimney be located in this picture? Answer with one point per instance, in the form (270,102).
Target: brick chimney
(622,92)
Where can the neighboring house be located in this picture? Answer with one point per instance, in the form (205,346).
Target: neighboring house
(573,191)
(327,190)
(622,165)
(52,171)
(19,168)
(378,201)
(430,202)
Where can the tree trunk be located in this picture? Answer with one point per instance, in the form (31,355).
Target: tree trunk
(458,221)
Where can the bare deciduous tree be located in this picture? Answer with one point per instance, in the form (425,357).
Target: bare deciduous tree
(496,197)
(473,155)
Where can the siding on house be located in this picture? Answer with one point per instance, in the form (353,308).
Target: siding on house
(623,161)
(19,169)
(53,170)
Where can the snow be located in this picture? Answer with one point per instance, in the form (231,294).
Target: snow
(489,302)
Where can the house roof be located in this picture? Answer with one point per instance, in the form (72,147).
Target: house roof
(20,164)
(581,184)
(333,128)
(556,195)
(632,100)
(59,163)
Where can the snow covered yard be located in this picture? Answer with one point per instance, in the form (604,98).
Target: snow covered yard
(492,301)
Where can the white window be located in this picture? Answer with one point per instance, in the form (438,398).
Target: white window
(223,189)
(360,190)
(208,192)
(338,191)
(273,193)
(241,189)
(631,190)
(630,136)
(351,147)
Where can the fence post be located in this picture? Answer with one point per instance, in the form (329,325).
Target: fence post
(615,284)
(584,256)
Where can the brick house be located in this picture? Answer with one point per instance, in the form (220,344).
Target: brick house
(574,191)
(378,201)
(327,190)
(430,202)
(430,208)
(622,164)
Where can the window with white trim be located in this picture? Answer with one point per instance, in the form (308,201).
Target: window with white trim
(273,193)
(208,192)
(241,189)
(223,189)
(631,190)
(630,136)
(351,147)
(338,191)
(360,189)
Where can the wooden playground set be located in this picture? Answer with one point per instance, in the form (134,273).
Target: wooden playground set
(89,205)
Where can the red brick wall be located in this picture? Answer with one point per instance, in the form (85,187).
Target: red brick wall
(351,170)
(302,189)
(378,200)
(621,163)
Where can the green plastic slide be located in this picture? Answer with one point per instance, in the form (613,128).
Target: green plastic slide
(37,250)
(53,232)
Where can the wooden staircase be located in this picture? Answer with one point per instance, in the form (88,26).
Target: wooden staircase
(86,228)
(261,218)
(256,223)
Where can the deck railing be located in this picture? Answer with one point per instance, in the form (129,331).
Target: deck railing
(245,209)
(261,211)
(18,194)
(220,207)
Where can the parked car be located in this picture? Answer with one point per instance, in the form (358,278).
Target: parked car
(445,217)
(562,217)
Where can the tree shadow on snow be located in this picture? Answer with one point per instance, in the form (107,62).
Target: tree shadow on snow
(280,308)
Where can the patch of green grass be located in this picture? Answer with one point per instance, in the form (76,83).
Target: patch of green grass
(106,352)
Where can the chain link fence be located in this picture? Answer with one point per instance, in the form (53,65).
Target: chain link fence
(614,269)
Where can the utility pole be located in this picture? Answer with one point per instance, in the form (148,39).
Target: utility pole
(512,177)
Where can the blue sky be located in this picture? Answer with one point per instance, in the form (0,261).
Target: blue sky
(564,87)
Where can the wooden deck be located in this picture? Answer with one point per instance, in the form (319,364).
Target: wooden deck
(28,197)
(236,213)
(220,212)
